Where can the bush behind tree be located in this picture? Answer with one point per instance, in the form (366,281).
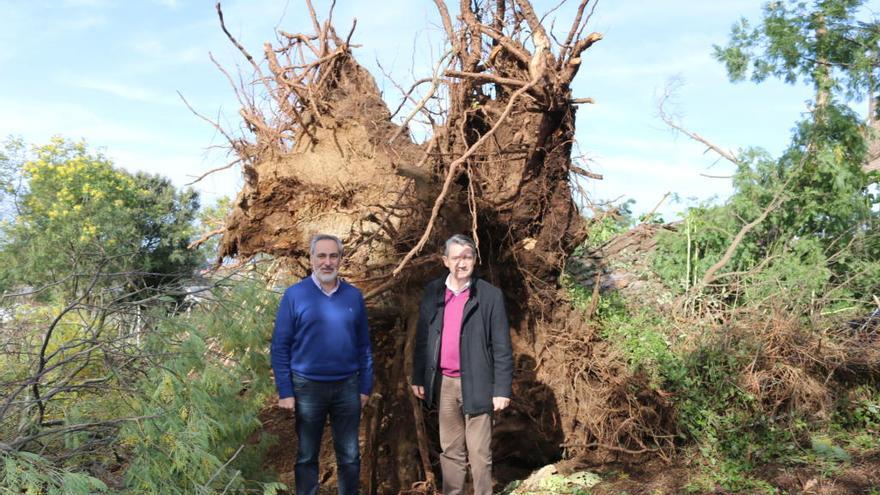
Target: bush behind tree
(110,380)
(78,215)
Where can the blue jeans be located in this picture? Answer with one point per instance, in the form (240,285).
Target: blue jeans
(314,401)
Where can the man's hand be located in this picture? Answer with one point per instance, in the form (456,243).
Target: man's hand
(364,400)
(419,391)
(287,403)
(500,403)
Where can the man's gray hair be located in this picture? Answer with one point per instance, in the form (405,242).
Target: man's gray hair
(461,240)
(324,237)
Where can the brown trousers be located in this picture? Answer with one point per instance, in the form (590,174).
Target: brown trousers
(464,439)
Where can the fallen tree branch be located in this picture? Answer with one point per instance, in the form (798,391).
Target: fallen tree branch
(777,200)
(204,238)
(668,120)
(207,485)
(709,276)
(654,209)
(43,360)
(20,442)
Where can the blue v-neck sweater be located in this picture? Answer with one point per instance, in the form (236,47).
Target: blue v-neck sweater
(321,337)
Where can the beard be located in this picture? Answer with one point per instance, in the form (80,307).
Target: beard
(326,277)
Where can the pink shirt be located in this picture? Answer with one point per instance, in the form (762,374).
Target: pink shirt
(450,358)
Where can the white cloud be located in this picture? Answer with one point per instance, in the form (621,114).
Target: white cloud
(122,90)
(156,50)
(151,55)
(36,121)
(646,179)
(149,47)
(695,12)
(670,146)
(87,3)
(134,147)
(14,27)
(183,168)
(82,23)
(637,70)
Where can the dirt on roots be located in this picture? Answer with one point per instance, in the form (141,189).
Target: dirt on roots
(323,154)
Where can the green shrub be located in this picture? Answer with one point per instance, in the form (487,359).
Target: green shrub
(31,474)
(859,409)
(201,403)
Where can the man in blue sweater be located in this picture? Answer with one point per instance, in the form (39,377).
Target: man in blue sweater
(323,364)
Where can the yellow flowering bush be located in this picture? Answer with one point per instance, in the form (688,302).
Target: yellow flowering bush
(79,212)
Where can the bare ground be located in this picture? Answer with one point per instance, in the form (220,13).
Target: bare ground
(652,476)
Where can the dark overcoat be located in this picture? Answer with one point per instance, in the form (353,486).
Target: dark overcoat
(485,353)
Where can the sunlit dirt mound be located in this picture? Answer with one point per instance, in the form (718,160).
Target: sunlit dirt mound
(329,182)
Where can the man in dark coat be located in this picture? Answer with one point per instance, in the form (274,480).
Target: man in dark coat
(463,364)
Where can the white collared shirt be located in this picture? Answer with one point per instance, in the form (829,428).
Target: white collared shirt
(318,283)
(463,288)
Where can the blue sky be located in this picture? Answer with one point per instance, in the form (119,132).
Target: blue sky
(109,72)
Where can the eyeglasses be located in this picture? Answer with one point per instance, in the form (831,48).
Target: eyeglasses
(466,258)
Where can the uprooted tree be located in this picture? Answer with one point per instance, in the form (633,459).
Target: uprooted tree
(324,155)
